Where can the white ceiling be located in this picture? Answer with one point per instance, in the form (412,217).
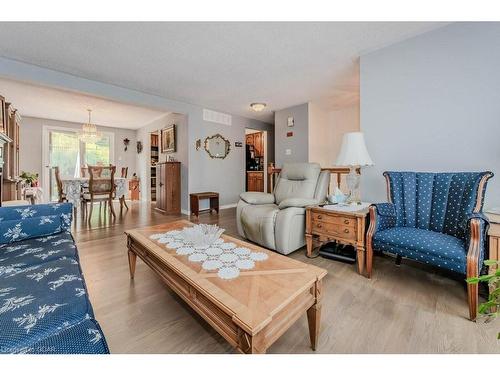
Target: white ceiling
(223,66)
(48,103)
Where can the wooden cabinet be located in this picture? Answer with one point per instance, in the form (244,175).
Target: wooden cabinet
(249,139)
(168,187)
(4,144)
(11,189)
(255,181)
(258,144)
(257,141)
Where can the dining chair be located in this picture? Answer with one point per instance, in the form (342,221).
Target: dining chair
(124,172)
(60,193)
(101,188)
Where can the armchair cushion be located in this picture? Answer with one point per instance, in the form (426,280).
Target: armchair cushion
(258,223)
(386,209)
(257,197)
(439,249)
(386,216)
(297,180)
(297,202)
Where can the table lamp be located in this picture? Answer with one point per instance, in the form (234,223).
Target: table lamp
(353,153)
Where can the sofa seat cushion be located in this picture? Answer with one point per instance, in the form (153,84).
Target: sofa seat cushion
(426,246)
(258,223)
(19,255)
(85,337)
(39,300)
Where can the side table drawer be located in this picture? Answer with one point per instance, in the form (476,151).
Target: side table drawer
(333,219)
(334,230)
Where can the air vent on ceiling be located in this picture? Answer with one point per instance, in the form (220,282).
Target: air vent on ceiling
(217,117)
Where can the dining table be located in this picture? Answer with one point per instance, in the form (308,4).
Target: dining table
(72,188)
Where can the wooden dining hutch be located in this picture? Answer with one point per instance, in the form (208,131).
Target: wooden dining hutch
(168,187)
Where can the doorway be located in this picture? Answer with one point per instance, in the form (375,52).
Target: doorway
(255,160)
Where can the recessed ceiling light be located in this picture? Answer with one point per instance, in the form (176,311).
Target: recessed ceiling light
(258,107)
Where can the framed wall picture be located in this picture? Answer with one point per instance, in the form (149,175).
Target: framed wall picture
(168,141)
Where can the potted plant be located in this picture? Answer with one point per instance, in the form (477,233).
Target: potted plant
(490,309)
(30,178)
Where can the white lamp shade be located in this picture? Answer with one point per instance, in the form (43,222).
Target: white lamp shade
(353,151)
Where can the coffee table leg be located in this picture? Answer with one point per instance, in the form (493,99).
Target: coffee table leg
(361,260)
(248,344)
(132,260)
(314,316)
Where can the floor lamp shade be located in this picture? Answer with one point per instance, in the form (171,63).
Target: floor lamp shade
(353,151)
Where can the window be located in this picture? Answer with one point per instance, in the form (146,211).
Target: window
(98,152)
(69,153)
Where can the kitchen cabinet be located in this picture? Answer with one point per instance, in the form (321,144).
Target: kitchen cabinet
(255,181)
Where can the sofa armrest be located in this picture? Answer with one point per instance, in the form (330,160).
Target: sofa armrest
(298,202)
(385,217)
(22,222)
(253,197)
(475,238)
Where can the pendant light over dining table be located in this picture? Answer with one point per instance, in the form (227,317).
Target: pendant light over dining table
(89,133)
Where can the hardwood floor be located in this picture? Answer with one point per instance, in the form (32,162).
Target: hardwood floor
(400,310)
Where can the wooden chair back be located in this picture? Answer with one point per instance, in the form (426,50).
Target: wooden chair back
(124,172)
(101,180)
(60,192)
(336,175)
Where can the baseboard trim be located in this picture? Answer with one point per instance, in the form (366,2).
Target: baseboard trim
(232,205)
(224,207)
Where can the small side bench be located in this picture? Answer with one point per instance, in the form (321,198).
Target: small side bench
(195,202)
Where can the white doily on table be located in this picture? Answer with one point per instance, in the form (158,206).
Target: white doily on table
(224,257)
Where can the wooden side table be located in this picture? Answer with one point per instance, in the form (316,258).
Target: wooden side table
(494,239)
(346,227)
(195,202)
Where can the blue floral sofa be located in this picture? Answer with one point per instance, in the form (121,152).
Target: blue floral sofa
(434,218)
(44,306)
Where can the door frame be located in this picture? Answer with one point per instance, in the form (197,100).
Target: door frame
(266,156)
(45,166)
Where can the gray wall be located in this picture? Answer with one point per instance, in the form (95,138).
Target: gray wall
(30,144)
(298,144)
(432,103)
(226,176)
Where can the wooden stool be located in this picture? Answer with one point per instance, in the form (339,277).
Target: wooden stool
(195,202)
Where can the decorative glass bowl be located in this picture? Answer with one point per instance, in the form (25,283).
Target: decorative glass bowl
(201,234)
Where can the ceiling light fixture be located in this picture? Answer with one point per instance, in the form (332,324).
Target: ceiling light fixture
(258,107)
(89,131)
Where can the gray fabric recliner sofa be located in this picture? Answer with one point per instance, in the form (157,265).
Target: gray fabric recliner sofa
(277,221)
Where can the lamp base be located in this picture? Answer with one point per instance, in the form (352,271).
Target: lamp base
(353,180)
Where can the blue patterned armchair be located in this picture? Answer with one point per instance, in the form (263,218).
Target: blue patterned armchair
(434,218)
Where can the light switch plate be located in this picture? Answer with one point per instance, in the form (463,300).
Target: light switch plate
(288,152)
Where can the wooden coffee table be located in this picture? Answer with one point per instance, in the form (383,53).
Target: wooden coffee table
(251,311)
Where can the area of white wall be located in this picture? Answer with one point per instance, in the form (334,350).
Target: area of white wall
(320,134)
(298,144)
(181,154)
(342,120)
(30,144)
(431,103)
(317,133)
